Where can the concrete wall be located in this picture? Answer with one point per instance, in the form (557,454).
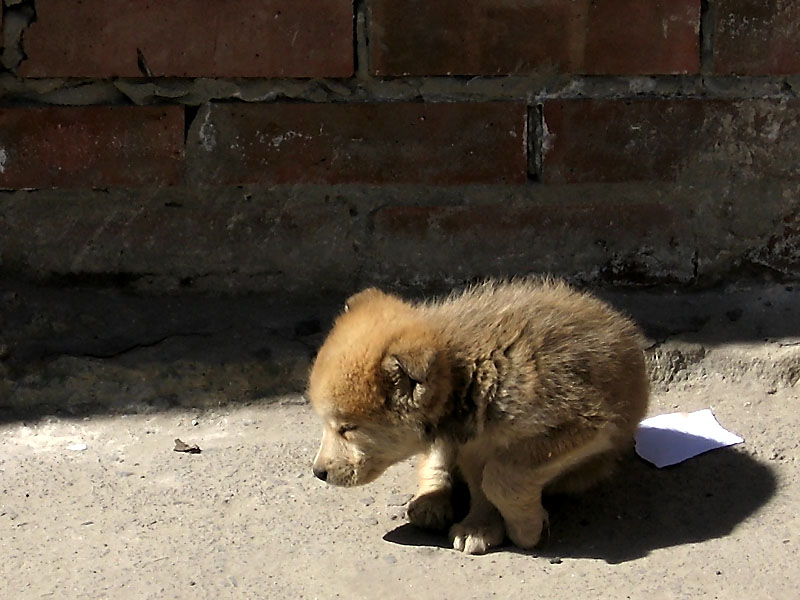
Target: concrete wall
(277,145)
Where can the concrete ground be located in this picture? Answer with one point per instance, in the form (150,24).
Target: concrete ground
(94,502)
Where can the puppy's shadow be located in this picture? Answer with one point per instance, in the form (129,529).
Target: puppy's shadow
(642,509)
(408,535)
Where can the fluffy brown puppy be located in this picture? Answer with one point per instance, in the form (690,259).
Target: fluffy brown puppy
(521,386)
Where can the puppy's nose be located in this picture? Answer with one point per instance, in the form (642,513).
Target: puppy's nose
(320,474)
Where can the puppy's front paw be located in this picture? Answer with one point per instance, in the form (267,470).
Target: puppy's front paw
(477,538)
(433,510)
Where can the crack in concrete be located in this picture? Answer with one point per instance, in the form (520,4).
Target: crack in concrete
(695,265)
(361,40)
(143,345)
(17,18)
(141,62)
(708,17)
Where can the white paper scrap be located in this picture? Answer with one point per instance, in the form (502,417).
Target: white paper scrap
(673,438)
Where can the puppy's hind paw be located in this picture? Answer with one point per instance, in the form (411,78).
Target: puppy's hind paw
(526,533)
(476,538)
(433,510)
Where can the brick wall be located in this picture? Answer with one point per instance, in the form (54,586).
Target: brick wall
(284,145)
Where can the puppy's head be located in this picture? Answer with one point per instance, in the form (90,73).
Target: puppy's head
(379,383)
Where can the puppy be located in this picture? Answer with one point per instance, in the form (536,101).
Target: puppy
(521,387)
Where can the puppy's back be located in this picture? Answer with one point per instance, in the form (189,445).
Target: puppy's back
(556,351)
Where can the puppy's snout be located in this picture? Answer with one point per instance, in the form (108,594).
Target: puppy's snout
(320,474)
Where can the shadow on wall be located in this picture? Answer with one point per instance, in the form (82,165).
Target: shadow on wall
(713,317)
(643,509)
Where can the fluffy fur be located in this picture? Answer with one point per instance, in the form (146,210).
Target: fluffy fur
(521,387)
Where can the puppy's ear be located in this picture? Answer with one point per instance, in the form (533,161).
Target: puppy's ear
(416,365)
(361,297)
(409,373)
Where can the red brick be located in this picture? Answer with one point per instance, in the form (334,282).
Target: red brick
(640,140)
(651,37)
(374,143)
(486,37)
(90,146)
(757,37)
(191,38)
